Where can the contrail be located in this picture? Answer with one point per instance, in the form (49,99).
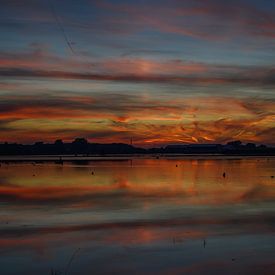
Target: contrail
(59,23)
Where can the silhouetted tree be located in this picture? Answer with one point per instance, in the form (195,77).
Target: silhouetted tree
(58,142)
(80,145)
(236,143)
(262,146)
(250,146)
(59,147)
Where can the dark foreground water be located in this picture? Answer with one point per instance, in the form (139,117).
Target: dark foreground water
(145,216)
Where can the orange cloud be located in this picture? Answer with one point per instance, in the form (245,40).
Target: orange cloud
(149,121)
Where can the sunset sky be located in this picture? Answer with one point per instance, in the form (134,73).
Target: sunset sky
(159,72)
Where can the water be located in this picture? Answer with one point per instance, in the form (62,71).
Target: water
(145,216)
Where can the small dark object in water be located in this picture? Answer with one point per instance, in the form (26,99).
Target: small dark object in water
(33,175)
(92,173)
(224,174)
(204,243)
(60,161)
(233,259)
(272,177)
(176,165)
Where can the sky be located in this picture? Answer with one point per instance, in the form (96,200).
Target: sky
(154,72)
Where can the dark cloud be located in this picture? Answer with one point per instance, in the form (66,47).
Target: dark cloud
(15,72)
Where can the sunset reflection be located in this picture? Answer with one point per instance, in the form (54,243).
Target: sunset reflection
(144,205)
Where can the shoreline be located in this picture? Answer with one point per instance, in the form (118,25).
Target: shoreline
(120,157)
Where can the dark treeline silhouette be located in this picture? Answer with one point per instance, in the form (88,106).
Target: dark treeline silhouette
(81,146)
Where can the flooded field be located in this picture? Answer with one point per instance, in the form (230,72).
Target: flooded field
(139,216)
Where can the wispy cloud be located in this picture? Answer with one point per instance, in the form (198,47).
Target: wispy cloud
(40,62)
(199,19)
(117,117)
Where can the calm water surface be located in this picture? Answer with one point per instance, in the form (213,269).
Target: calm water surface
(145,216)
